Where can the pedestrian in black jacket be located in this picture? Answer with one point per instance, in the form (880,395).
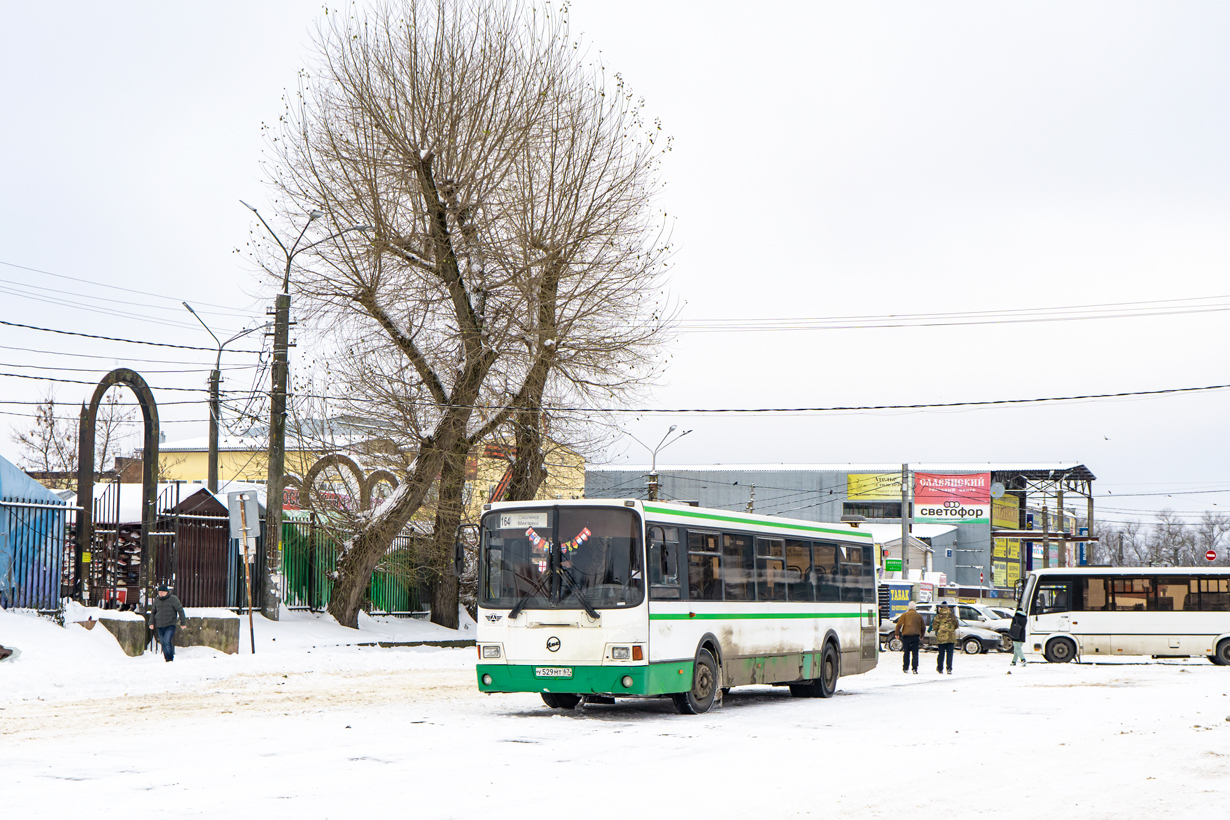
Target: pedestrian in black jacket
(167,610)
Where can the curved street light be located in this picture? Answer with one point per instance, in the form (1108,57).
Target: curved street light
(215,402)
(277,409)
(653,456)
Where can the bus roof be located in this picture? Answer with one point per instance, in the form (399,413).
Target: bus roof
(702,515)
(1132,571)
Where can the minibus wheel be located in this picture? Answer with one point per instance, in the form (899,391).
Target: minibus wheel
(1221,655)
(1060,650)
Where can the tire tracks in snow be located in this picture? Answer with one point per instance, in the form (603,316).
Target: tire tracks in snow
(246,695)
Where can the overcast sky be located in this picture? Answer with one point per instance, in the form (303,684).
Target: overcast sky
(830,160)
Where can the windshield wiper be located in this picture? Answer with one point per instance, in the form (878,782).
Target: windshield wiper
(516,610)
(593,613)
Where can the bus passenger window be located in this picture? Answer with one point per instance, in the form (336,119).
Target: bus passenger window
(826,564)
(798,571)
(738,568)
(1052,596)
(852,575)
(1134,594)
(770,569)
(1215,594)
(1172,595)
(1096,594)
(664,564)
(704,567)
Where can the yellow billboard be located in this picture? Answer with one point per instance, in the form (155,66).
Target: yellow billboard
(1005,512)
(873,486)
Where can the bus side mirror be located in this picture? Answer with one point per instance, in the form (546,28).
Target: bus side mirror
(467,536)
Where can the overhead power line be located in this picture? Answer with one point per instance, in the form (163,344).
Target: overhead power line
(1109,310)
(117,339)
(832,409)
(177,300)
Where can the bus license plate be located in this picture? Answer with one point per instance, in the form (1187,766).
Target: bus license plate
(553,672)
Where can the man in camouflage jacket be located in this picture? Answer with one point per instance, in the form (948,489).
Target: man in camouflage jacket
(945,626)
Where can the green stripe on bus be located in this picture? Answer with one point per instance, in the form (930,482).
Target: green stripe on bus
(734,519)
(750,616)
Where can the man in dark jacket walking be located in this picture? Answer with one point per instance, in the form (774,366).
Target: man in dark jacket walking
(910,628)
(167,611)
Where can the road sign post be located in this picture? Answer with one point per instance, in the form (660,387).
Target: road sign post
(245,524)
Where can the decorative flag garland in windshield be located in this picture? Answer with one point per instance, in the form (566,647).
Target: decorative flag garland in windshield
(542,546)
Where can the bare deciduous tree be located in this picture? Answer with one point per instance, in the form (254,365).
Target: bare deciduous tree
(1170,542)
(513,261)
(49,445)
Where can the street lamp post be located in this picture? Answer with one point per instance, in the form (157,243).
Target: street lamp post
(215,402)
(277,407)
(653,457)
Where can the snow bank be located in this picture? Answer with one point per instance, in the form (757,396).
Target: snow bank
(72,662)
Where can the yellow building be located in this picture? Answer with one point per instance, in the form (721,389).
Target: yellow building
(239,459)
(488,472)
(247,460)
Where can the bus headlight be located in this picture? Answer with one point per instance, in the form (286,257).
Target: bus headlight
(491,652)
(486,680)
(627,681)
(621,653)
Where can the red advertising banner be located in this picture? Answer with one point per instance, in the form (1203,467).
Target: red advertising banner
(952,498)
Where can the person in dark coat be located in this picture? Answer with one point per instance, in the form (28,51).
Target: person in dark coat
(167,611)
(1016,631)
(910,628)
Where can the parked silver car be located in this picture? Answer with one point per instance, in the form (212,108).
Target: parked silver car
(972,638)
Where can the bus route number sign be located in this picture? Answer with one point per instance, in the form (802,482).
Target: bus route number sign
(1210,556)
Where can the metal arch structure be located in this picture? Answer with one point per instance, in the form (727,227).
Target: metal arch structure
(149,470)
(331,460)
(373,480)
(366,484)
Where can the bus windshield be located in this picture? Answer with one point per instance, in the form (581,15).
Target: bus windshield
(561,558)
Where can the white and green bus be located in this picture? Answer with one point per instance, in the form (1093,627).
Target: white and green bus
(599,599)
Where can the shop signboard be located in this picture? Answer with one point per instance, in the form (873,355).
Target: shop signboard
(873,487)
(952,498)
(1006,512)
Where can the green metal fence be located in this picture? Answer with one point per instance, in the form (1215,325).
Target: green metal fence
(309,558)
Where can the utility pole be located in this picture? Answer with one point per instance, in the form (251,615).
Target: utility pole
(905,521)
(751,502)
(277,453)
(1046,538)
(270,600)
(1063,529)
(215,403)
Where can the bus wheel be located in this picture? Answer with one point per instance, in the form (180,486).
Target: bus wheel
(1221,655)
(704,687)
(557,700)
(825,685)
(1060,650)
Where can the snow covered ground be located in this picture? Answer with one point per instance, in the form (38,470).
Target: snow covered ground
(310,727)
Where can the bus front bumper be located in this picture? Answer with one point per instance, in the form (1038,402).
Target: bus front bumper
(647,680)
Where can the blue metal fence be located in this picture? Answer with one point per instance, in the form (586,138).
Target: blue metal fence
(32,562)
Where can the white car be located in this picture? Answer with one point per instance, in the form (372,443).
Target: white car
(974,615)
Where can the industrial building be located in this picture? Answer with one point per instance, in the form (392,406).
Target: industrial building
(976,527)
